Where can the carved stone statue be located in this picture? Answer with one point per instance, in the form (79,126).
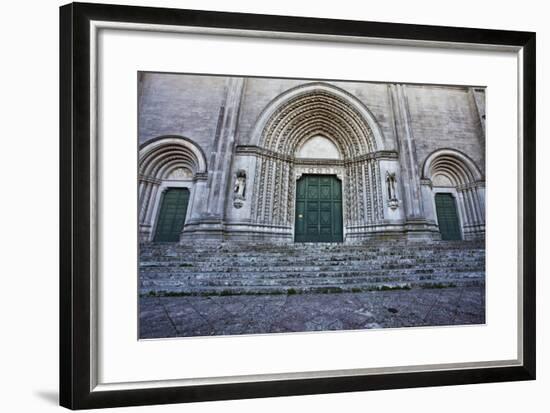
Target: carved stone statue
(239,189)
(391,181)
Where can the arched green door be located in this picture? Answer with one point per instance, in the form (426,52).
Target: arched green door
(447,217)
(318,209)
(173,208)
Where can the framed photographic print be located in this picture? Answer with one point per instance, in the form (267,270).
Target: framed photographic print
(257,206)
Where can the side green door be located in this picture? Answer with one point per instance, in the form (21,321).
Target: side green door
(318,209)
(171,218)
(447,217)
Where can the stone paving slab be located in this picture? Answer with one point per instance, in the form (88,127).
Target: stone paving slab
(188,316)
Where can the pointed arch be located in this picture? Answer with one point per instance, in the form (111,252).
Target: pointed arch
(318,146)
(292,119)
(317,108)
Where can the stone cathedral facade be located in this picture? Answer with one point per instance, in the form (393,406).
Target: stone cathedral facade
(293,160)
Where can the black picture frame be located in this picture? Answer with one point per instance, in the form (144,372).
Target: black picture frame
(76,221)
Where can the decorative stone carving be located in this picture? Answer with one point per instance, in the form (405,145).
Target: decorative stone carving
(339,120)
(164,160)
(239,189)
(448,168)
(391,181)
(290,127)
(299,170)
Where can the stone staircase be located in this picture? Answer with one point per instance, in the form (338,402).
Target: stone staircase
(229,269)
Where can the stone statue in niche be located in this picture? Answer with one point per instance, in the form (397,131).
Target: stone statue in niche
(239,189)
(391,181)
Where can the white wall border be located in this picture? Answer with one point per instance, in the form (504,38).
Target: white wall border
(95,324)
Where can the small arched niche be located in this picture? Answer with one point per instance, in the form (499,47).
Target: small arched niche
(442,180)
(318,147)
(180,173)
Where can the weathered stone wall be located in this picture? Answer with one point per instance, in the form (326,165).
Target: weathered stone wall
(172,104)
(446,117)
(441,116)
(408,123)
(260,92)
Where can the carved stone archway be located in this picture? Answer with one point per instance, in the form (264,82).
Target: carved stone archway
(450,171)
(292,119)
(166,162)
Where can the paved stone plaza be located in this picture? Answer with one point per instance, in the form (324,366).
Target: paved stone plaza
(256,314)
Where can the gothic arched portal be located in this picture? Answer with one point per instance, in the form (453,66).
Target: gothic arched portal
(317,111)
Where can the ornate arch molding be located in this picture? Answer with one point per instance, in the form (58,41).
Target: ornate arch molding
(456,166)
(467,183)
(162,155)
(165,161)
(314,108)
(290,120)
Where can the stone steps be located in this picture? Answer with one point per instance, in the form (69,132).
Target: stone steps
(331,256)
(209,279)
(250,250)
(296,253)
(304,268)
(374,243)
(327,255)
(267,272)
(281,265)
(319,263)
(321,286)
(260,279)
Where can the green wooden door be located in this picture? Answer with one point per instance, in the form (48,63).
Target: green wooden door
(447,217)
(318,209)
(171,218)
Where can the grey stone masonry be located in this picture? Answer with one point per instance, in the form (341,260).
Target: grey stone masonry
(240,146)
(219,175)
(408,159)
(231,268)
